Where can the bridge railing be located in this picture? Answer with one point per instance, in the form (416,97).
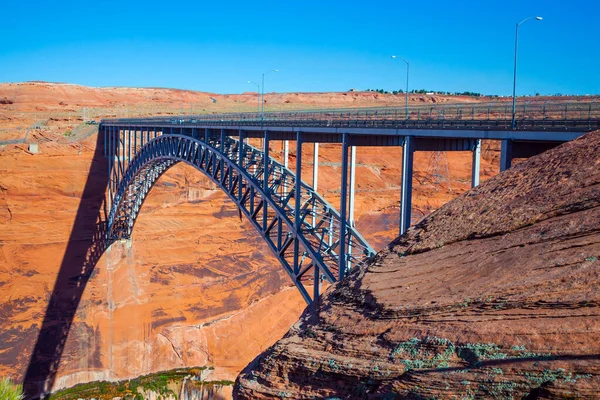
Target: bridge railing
(538,115)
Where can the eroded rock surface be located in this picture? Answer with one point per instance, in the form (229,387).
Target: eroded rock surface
(495,295)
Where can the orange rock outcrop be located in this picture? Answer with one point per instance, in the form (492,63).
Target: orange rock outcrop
(494,295)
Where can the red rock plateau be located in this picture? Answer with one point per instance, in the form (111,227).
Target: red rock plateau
(494,295)
(196,286)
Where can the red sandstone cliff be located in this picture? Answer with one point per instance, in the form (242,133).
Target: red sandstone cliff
(197,286)
(495,295)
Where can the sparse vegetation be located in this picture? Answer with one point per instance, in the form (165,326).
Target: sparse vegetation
(10,390)
(425,91)
(161,384)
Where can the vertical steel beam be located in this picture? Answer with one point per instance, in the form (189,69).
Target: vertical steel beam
(265,178)
(317,282)
(107,134)
(286,147)
(343,201)
(407,175)
(118,151)
(506,154)
(315,180)
(240,163)
(352,184)
(222,166)
(351,200)
(476,164)
(128,151)
(266,160)
(297,201)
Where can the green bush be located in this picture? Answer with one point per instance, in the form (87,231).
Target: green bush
(10,391)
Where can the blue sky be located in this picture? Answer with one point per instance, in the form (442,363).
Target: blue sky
(217,46)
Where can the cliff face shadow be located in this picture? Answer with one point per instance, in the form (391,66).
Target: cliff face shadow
(87,243)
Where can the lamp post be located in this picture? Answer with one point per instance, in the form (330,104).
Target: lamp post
(514,99)
(407,67)
(257,95)
(263,91)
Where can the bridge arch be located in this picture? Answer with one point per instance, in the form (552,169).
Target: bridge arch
(302,230)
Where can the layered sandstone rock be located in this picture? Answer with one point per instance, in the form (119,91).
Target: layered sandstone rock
(495,295)
(196,286)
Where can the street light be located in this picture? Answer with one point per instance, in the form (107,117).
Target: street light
(257,95)
(263,91)
(407,66)
(514,102)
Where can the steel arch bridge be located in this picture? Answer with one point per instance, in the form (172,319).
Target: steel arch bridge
(306,234)
(303,231)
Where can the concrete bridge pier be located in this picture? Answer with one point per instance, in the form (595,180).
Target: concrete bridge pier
(406,191)
(476,164)
(506,154)
(512,149)
(410,145)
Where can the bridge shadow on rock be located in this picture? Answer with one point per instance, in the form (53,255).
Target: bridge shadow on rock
(86,245)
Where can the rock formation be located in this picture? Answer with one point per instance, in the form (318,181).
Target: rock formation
(196,286)
(494,295)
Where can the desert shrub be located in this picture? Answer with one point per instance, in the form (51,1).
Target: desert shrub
(10,391)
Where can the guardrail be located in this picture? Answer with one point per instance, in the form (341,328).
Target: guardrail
(529,116)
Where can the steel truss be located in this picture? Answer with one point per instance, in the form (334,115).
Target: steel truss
(304,232)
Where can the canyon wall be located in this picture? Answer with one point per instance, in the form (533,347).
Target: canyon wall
(195,286)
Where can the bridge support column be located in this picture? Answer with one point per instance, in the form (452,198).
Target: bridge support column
(222,163)
(315,180)
(128,149)
(286,150)
(343,200)
(297,201)
(118,155)
(107,151)
(506,154)
(407,175)
(265,178)
(352,185)
(240,163)
(476,165)
(105,148)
